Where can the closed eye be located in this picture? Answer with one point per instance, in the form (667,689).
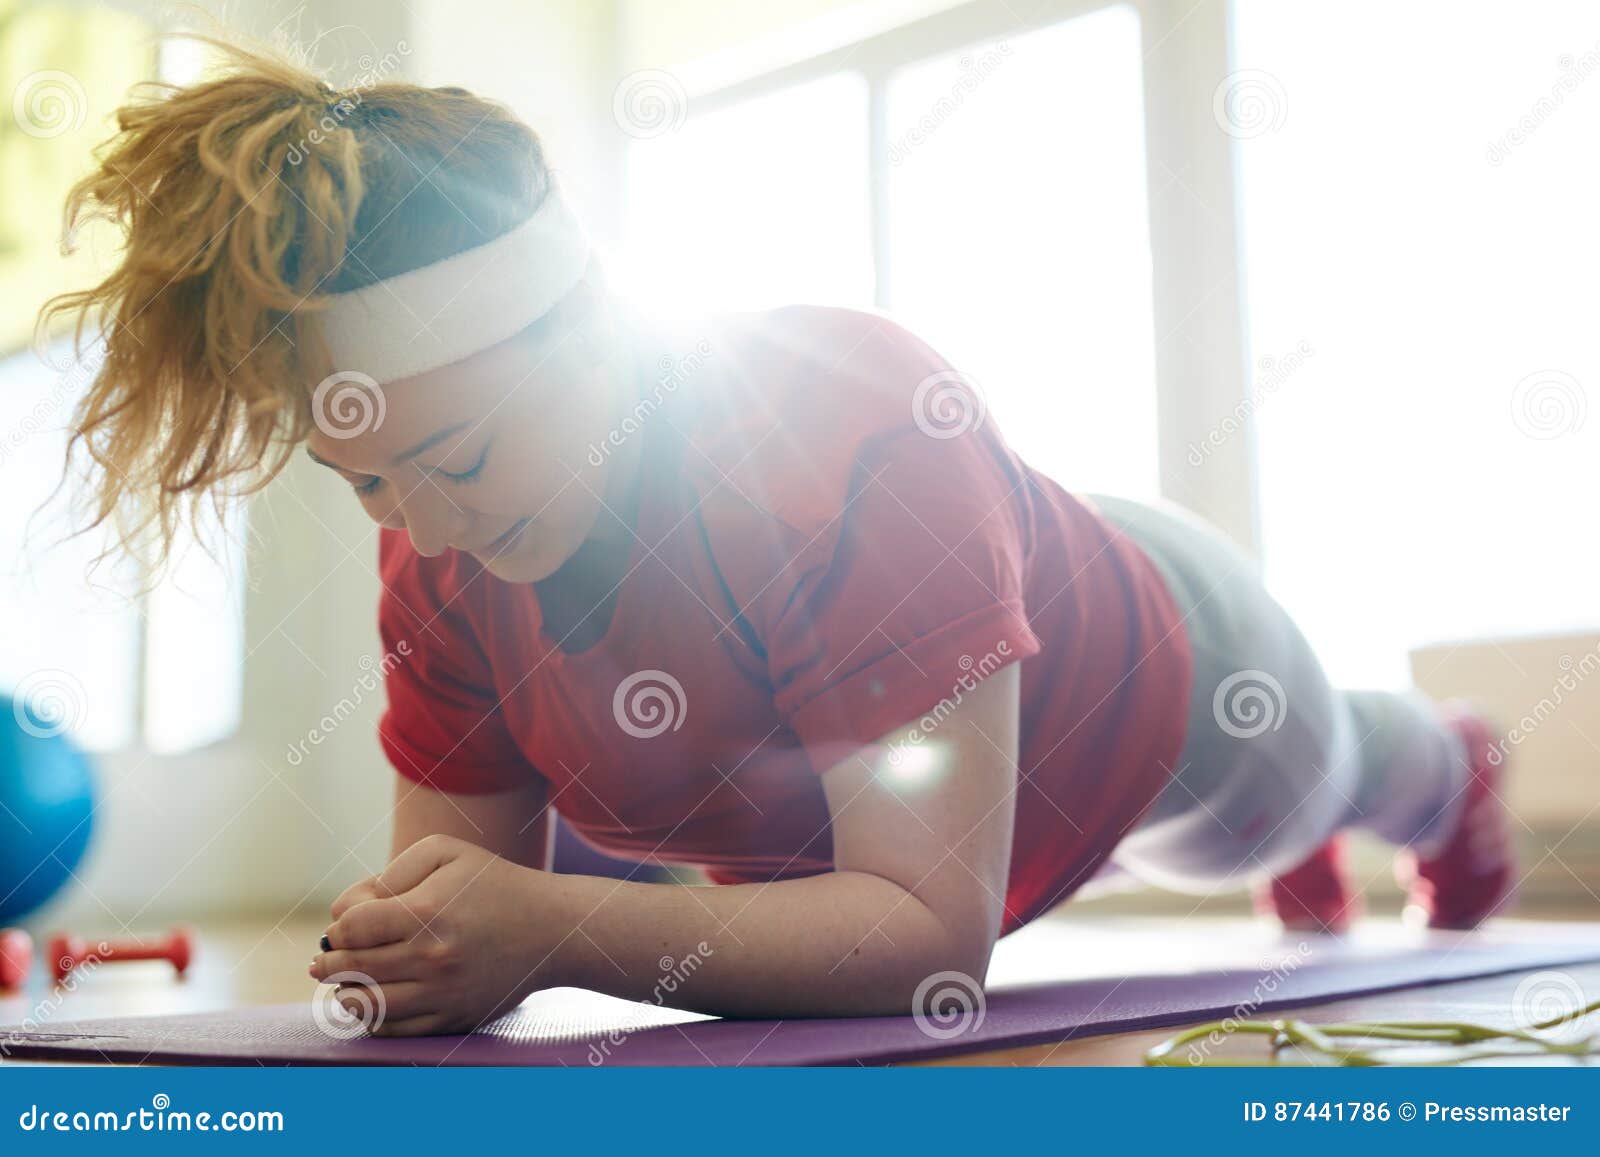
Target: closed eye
(364,489)
(469,474)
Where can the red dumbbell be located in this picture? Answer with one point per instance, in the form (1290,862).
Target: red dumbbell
(69,952)
(16,957)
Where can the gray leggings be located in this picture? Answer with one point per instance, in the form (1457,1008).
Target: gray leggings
(1275,760)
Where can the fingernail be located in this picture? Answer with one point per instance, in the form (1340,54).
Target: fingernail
(326,947)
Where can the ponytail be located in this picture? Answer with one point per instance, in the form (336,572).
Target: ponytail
(245,200)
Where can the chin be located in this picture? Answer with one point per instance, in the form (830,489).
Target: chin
(521,567)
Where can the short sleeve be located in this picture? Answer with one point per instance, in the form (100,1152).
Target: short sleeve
(442,726)
(913,589)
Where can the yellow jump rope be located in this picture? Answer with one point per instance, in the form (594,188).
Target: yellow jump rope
(1431,1043)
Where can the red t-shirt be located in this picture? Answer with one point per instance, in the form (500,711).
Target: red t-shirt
(821,571)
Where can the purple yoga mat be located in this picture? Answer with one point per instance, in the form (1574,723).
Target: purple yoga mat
(572,1027)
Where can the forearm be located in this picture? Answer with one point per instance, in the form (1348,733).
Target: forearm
(514,824)
(455,932)
(838,944)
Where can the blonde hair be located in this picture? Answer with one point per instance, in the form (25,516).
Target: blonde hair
(244,200)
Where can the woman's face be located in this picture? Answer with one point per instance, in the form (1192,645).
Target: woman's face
(490,456)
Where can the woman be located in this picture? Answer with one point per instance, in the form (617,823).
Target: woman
(770,598)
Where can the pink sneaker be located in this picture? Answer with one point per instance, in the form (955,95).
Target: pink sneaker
(1313,897)
(1470,879)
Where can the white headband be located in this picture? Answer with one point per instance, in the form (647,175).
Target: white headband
(444,312)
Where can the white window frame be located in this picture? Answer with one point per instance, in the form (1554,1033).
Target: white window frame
(1201,360)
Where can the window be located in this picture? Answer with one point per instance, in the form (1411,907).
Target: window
(89,653)
(65,66)
(755,205)
(1427,236)
(1021,248)
(70,650)
(95,658)
(766,195)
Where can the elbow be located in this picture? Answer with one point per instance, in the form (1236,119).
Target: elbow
(947,998)
(936,960)
(968,956)
(969,935)
(941,984)
(944,988)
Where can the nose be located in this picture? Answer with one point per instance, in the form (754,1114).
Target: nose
(432,521)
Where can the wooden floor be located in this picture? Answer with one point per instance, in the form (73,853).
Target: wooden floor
(235,964)
(259,962)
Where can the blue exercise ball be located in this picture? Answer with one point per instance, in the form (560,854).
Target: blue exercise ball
(46,806)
